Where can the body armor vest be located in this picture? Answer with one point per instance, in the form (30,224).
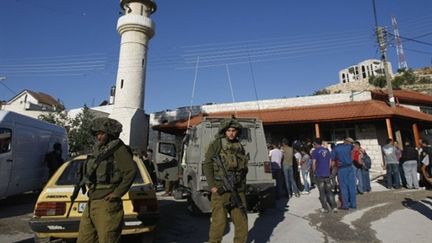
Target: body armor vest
(235,162)
(233,156)
(102,174)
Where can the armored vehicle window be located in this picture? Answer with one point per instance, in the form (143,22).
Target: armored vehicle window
(245,134)
(5,140)
(167,149)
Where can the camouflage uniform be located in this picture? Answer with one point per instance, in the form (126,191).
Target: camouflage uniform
(102,220)
(235,161)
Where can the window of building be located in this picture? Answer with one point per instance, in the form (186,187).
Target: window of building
(363,71)
(343,78)
(337,132)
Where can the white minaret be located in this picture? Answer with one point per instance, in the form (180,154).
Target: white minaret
(135,28)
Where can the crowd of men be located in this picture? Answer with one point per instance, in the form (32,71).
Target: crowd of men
(343,169)
(404,164)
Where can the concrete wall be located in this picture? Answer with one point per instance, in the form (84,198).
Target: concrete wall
(366,134)
(289,102)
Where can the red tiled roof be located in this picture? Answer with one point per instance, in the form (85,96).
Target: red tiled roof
(404,96)
(44,98)
(349,111)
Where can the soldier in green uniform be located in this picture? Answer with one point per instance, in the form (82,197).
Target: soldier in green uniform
(227,146)
(108,174)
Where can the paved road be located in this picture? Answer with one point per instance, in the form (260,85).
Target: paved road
(382,216)
(15,212)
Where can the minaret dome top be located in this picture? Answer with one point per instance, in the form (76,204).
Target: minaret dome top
(150,4)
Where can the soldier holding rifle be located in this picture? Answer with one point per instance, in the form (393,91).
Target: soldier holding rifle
(108,174)
(225,167)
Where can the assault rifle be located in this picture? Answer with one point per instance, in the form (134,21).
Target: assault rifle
(229,186)
(78,186)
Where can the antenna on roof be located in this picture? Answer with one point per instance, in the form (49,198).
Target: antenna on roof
(193,94)
(254,84)
(231,88)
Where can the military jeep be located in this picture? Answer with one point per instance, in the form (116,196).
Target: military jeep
(187,169)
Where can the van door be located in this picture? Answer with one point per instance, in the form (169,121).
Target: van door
(166,161)
(6,159)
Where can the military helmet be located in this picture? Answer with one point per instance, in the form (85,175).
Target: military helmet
(230,122)
(107,125)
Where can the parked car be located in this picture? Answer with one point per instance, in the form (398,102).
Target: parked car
(50,219)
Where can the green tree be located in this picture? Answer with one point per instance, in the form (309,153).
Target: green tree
(424,80)
(407,77)
(78,129)
(80,138)
(59,117)
(378,81)
(321,92)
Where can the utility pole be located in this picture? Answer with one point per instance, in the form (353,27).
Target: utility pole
(381,34)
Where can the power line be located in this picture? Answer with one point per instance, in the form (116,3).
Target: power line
(414,40)
(423,35)
(276,52)
(235,52)
(418,51)
(7,87)
(97,61)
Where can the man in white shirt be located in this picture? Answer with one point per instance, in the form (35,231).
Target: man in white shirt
(276,156)
(425,163)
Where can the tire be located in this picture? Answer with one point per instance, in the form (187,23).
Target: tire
(147,237)
(38,239)
(192,207)
(52,240)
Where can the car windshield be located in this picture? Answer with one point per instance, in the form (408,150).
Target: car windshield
(70,175)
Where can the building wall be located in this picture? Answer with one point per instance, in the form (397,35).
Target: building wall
(362,71)
(20,108)
(27,105)
(183,112)
(289,102)
(366,134)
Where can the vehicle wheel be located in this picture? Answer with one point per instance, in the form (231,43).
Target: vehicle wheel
(38,239)
(147,237)
(192,207)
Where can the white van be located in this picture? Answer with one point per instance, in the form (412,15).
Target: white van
(24,142)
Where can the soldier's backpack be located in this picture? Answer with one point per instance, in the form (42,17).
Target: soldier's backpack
(367,162)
